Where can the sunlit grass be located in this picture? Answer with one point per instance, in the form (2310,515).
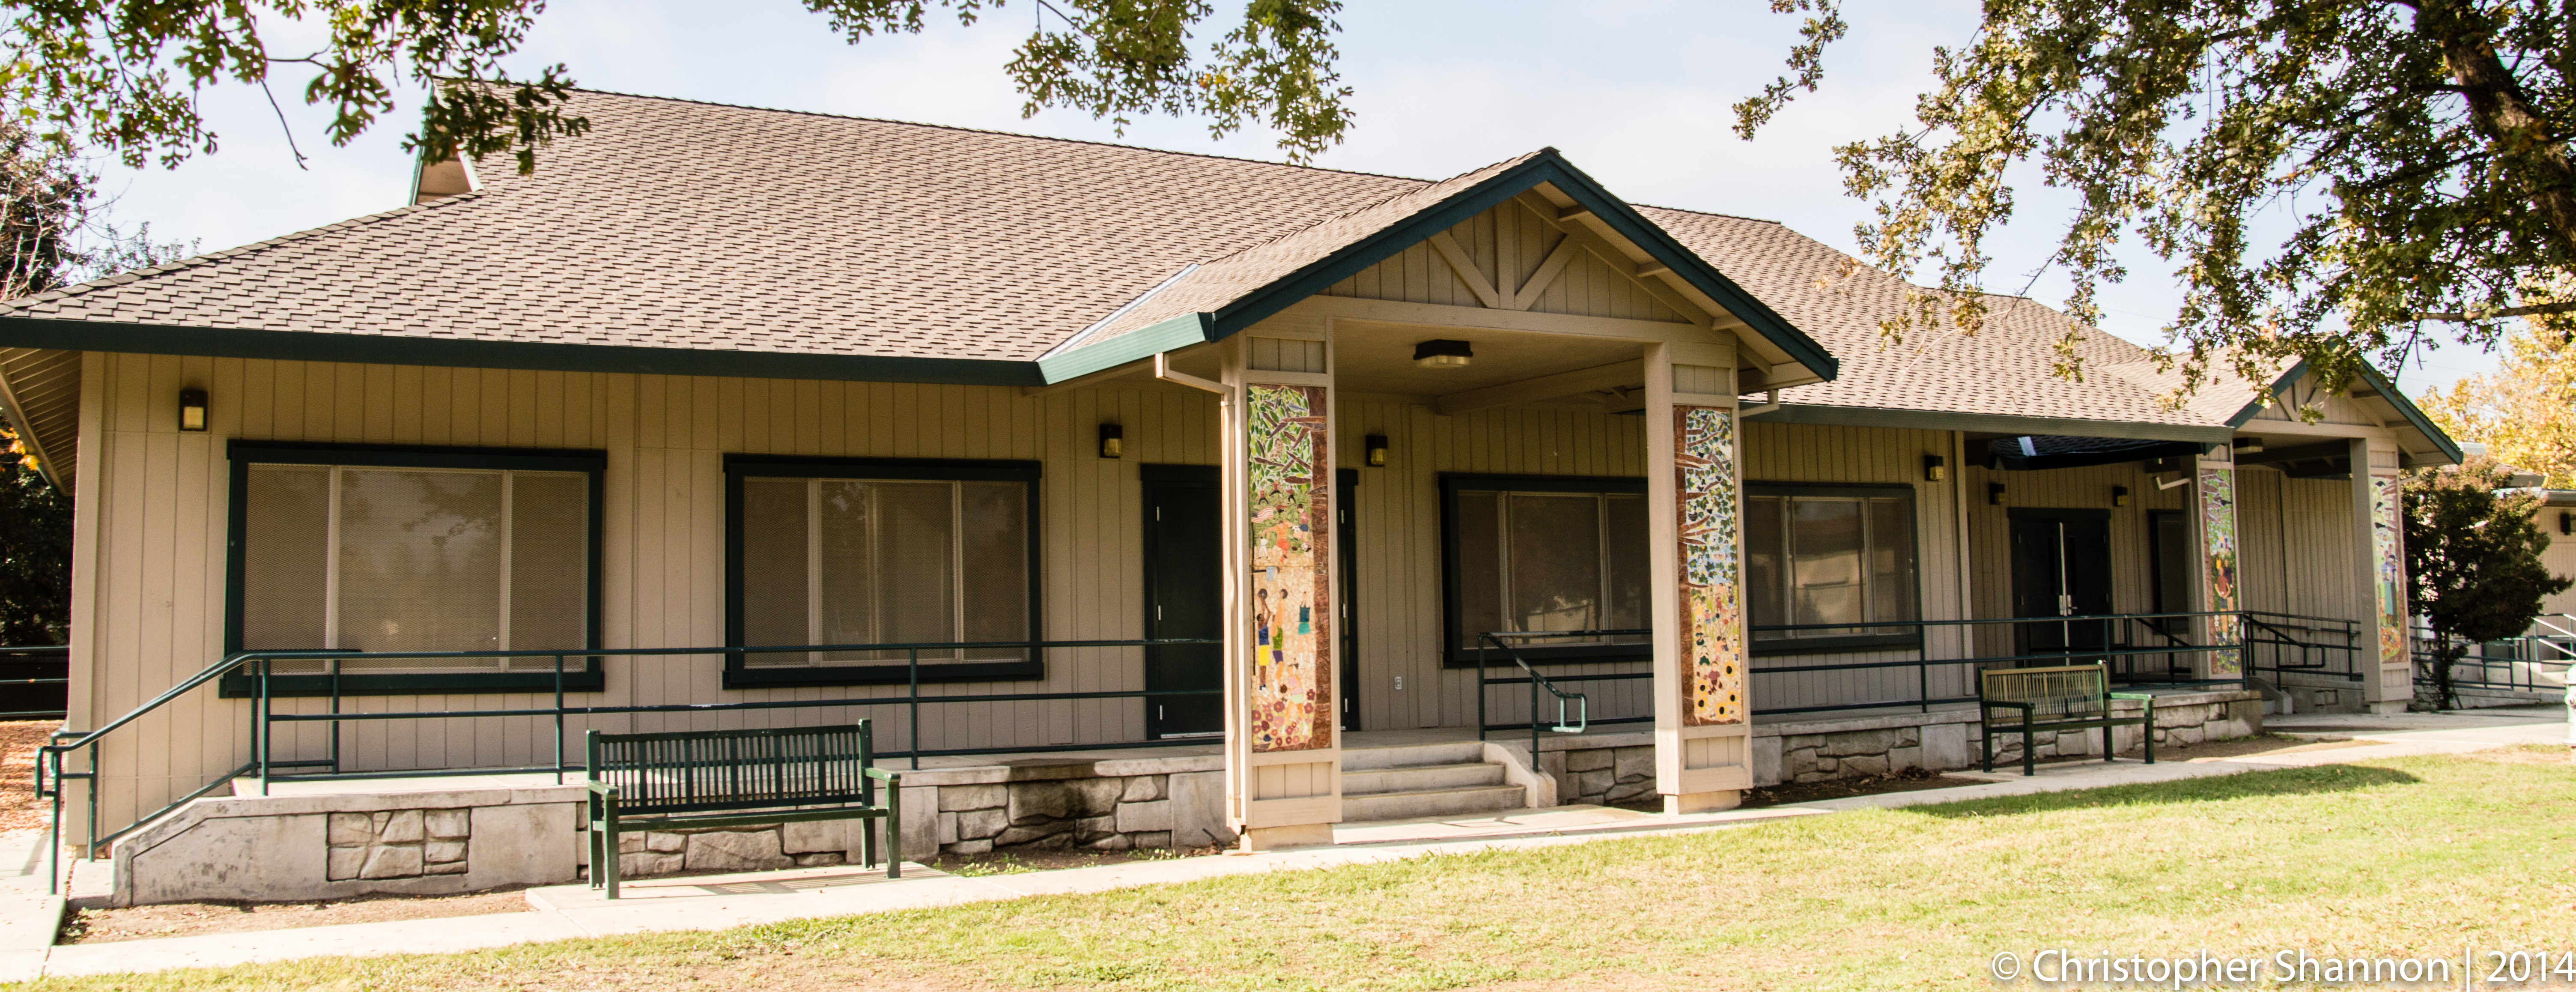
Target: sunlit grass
(2412,856)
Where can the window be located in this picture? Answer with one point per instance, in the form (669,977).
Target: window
(882,552)
(1540,554)
(414,549)
(1829,555)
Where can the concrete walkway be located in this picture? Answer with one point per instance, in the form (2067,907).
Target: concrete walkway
(722,901)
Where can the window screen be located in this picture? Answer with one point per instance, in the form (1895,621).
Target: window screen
(375,559)
(870,561)
(1543,561)
(1827,559)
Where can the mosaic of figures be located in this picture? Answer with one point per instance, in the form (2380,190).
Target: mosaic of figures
(1290,505)
(2388,570)
(2218,532)
(1712,592)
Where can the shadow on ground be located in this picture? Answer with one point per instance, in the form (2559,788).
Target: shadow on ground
(2222,788)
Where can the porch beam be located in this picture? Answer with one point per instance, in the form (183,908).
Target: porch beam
(1546,275)
(1460,262)
(1705,314)
(1628,373)
(1439,315)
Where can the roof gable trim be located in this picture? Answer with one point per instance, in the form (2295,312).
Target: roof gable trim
(1545,167)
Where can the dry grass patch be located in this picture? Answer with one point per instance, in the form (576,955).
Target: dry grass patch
(2408,856)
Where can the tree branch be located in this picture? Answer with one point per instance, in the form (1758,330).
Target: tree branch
(2478,315)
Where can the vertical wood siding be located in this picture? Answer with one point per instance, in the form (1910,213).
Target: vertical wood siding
(154,610)
(1508,244)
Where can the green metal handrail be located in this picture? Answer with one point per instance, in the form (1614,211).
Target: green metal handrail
(259,667)
(1501,639)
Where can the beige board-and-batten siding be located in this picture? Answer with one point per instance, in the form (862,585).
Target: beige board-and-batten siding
(150,542)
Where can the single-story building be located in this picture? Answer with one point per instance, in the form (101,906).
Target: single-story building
(684,429)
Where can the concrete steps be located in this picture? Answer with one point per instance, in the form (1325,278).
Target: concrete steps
(1430,780)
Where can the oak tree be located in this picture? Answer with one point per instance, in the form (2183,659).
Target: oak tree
(2331,180)
(123,75)
(2473,563)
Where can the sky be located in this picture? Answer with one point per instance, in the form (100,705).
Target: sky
(1635,92)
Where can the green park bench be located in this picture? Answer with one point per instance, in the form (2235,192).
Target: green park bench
(2075,697)
(732,778)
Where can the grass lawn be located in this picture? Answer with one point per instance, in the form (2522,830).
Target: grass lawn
(2415,856)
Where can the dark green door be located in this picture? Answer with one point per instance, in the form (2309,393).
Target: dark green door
(1184,598)
(2061,567)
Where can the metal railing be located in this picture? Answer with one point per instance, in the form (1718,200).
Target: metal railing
(2535,661)
(2139,648)
(1503,640)
(259,668)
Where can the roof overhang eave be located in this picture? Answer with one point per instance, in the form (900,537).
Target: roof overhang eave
(1950,420)
(551,356)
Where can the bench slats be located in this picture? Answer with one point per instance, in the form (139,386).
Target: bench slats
(737,769)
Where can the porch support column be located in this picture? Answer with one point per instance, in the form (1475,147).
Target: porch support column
(1694,499)
(1283,762)
(2213,490)
(2386,662)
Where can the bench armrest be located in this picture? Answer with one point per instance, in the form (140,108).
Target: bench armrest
(601,789)
(2148,696)
(887,777)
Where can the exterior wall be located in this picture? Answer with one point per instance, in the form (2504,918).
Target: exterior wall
(1399,609)
(2132,542)
(2561,558)
(1807,453)
(152,525)
(2297,549)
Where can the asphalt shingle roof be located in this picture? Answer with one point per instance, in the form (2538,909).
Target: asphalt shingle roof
(677,224)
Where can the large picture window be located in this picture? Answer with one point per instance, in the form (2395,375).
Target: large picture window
(1540,554)
(1829,555)
(372,550)
(852,553)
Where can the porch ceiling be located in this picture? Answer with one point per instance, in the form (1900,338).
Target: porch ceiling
(1378,358)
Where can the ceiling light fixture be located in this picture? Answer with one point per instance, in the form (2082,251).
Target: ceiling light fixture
(1443,354)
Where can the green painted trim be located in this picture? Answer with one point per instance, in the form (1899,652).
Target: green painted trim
(2414,414)
(1546,167)
(386,349)
(1144,342)
(2405,407)
(242,454)
(1864,416)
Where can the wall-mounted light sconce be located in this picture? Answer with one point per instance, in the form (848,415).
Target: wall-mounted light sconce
(1935,468)
(2119,495)
(1995,493)
(192,409)
(1443,354)
(1376,449)
(1113,441)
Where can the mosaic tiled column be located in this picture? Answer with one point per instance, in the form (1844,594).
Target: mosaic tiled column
(2386,663)
(1283,763)
(2214,497)
(1694,492)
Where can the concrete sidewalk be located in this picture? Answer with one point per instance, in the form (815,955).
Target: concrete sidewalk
(723,901)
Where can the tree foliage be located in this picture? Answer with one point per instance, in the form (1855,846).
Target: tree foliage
(124,76)
(52,234)
(2473,562)
(2415,151)
(2526,412)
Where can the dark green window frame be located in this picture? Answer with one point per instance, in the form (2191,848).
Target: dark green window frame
(1463,655)
(737,675)
(1908,639)
(243,454)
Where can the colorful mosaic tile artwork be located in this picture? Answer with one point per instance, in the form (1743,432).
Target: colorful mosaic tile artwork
(1291,507)
(2218,531)
(2388,569)
(1712,621)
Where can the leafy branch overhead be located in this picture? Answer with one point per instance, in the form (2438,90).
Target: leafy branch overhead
(2327,177)
(125,76)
